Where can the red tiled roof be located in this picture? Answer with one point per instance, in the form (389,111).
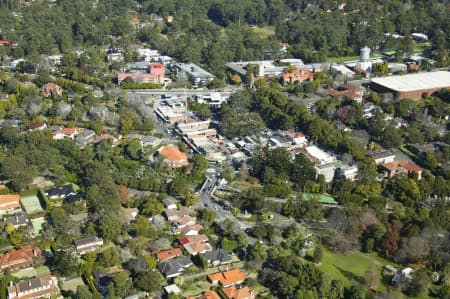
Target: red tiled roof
(9,201)
(228,277)
(301,73)
(238,293)
(19,258)
(193,239)
(67,131)
(402,165)
(168,254)
(206,295)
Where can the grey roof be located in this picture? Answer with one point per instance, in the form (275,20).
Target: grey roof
(169,201)
(174,266)
(33,283)
(381,154)
(85,241)
(73,198)
(423,148)
(194,70)
(16,220)
(11,123)
(218,255)
(419,81)
(61,191)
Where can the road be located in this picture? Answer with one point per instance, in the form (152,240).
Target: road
(145,93)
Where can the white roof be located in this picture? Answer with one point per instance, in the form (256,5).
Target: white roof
(411,82)
(173,288)
(320,154)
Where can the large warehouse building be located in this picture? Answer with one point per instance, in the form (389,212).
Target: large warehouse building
(412,86)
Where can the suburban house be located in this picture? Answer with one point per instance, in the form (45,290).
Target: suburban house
(88,244)
(17,220)
(195,244)
(206,295)
(19,258)
(60,192)
(36,127)
(173,157)
(185,221)
(218,257)
(172,289)
(174,267)
(51,89)
(227,278)
(234,292)
(73,198)
(295,137)
(191,230)
(299,75)
(42,286)
(65,133)
(401,167)
(382,157)
(166,255)
(348,172)
(353,92)
(173,214)
(170,203)
(85,137)
(328,170)
(10,204)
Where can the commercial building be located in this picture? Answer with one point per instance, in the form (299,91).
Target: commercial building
(154,74)
(412,86)
(193,73)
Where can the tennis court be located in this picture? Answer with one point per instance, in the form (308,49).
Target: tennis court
(37,225)
(31,204)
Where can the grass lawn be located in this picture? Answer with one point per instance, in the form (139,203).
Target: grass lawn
(31,272)
(342,59)
(72,284)
(351,268)
(264,32)
(242,185)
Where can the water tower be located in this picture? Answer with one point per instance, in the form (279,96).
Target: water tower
(364,63)
(364,54)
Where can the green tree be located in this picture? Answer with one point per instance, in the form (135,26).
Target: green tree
(228,245)
(391,137)
(317,254)
(18,171)
(110,256)
(122,284)
(83,292)
(151,206)
(150,281)
(110,227)
(190,200)
(133,149)
(201,261)
(65,263)
(302,171)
